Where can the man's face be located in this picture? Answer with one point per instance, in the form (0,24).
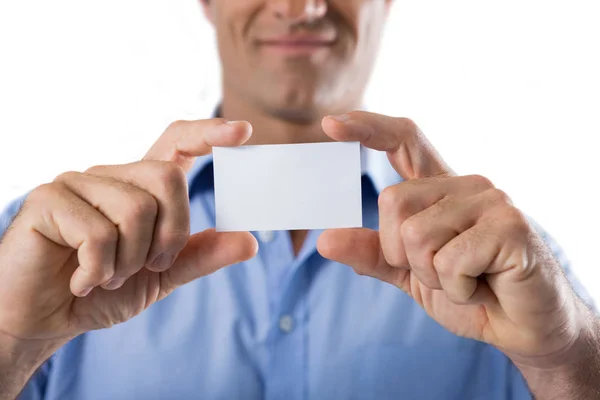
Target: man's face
(298,59)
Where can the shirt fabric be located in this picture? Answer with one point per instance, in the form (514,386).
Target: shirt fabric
(280,326)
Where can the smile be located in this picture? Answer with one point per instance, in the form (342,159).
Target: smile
(305,45)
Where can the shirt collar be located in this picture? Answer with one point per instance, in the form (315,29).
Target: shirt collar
(374,164)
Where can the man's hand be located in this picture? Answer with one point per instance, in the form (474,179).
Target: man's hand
(94,249)
(460,249)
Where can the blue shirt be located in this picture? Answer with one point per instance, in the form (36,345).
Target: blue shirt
(280,326)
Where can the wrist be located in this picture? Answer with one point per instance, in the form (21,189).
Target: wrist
(19,359)
(571,374)
(14,350)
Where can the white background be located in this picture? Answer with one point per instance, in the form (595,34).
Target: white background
(508,89)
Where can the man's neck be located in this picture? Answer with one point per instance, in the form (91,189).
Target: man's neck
(298,239)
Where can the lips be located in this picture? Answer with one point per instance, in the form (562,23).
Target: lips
(298,41)
(298,44)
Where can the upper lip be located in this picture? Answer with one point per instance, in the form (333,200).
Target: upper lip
(299,40)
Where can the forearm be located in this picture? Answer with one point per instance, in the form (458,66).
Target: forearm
(578,378)
(18,361)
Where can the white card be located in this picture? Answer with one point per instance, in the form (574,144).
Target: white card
(286,187)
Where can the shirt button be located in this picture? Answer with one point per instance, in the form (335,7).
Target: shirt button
(286,324)
(266,236)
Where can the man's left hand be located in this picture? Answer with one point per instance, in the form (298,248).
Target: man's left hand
(459,248)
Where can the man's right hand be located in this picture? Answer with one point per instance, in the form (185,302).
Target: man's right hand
(94,249)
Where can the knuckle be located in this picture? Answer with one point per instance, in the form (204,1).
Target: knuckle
(177,126)
(67,176)
(174,241)
(105,275)
(390,200)
(95,170)
(105,170)
(386,199)
(141,205)
(394,255)
(171,176)
(480,181)
(499,196)
(45,191)
(516,221)
(395,259)
(442,264)
(408,124)
(413,232)
(103,235)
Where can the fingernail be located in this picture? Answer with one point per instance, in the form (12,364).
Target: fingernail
(233,122)
(85,292)
(114,283)
(340,118)
(162,262)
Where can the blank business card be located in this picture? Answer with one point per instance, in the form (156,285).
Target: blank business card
(286,187)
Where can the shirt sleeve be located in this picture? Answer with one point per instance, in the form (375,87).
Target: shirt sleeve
(562,258)
(9,214)
(36,387)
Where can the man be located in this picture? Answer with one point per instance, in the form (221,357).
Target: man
(457,295)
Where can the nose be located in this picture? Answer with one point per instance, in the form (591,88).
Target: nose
(299,11)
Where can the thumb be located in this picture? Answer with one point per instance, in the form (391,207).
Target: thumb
(207,252)
(360,249)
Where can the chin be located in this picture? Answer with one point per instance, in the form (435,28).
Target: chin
(295,104)
(306,103)
(296,115)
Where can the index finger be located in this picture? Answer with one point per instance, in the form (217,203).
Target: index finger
(183,141)
(409,151)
